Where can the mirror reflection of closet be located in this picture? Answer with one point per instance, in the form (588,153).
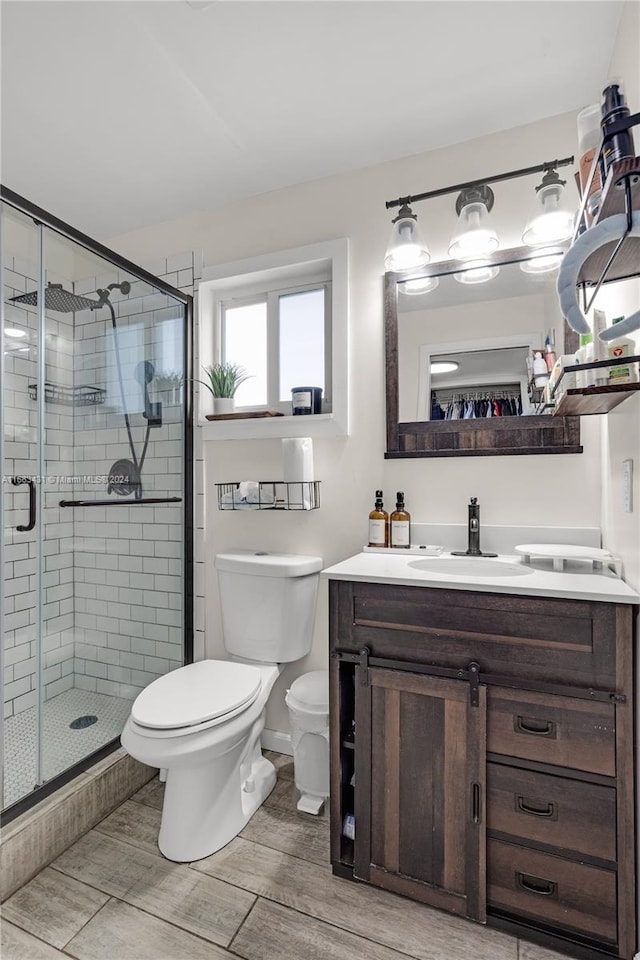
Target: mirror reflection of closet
(488,330)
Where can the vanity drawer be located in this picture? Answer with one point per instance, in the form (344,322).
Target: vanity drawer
(560,892)
(546,639)
(563,813)
(563,731)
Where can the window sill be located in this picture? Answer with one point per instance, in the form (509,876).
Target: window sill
(263,428)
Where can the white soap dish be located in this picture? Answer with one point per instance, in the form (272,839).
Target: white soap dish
(561,552)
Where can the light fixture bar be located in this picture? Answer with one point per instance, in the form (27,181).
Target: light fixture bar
(524,172)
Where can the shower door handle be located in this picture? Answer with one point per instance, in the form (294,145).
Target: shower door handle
(18,481)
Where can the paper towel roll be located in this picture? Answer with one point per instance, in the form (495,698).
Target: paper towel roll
(297,456)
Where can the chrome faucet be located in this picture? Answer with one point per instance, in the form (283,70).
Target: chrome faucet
(473,550)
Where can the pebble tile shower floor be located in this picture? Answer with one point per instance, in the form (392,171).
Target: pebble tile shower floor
(61,746)
(268,895)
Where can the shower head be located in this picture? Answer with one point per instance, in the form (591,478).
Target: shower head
(124,287)
(58,299)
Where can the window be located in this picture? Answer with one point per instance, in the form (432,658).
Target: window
(284,317)
(282,337)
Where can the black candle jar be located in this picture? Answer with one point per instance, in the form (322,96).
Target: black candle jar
(306,400)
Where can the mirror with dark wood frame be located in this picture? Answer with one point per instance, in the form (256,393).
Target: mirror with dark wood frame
(486,406)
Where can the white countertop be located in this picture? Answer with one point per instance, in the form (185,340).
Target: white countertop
(578,581)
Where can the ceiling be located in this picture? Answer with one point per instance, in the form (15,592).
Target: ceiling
(119,115)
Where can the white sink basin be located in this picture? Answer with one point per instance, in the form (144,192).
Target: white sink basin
(454,567)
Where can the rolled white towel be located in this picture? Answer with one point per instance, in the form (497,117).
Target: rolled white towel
(612,228)
(248,495)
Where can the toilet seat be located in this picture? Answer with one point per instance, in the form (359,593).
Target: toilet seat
(207,692)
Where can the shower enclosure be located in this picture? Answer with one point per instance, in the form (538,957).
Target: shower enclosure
(96,495)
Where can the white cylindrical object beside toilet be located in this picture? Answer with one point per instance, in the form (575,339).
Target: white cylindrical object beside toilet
(308,703)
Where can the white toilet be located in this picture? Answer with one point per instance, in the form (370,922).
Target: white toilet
(202,722)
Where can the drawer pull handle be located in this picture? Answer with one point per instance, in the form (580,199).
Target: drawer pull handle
(526,805)
(535,727)
(543,888)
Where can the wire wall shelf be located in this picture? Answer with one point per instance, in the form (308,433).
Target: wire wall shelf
(81,396)
(269,495)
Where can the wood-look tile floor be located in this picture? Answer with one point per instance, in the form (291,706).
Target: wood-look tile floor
(268,895)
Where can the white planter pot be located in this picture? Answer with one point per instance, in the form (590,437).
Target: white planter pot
(224,404)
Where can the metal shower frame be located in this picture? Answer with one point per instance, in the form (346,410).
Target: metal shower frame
(42,217)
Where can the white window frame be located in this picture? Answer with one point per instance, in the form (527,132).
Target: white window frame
(271,296)
(284,271)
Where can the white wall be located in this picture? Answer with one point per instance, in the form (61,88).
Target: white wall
(621,429)
(560,489)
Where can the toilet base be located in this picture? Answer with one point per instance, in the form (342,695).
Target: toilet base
(207,805)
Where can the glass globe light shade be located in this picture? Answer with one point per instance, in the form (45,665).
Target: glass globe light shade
(475,237)
(542,264)
(406,247)
(553,223)
(477,274)
(420,285)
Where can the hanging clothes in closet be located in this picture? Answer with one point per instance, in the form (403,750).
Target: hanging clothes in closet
(459,406)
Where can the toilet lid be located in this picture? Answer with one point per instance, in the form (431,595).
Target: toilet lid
(196,693)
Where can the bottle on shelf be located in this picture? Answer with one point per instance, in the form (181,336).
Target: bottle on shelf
(620,145)
(378,524)
(617,349)
(584,354)
(400,521)
(549,355)
(349,826)
(589,136)
(540,371)
(600,351)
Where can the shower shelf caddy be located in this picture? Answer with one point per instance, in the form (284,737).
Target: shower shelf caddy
(272,495)
(81,396)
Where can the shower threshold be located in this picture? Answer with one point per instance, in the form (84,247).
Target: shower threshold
(62,745)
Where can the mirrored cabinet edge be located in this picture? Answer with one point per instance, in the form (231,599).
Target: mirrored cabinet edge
(499,436)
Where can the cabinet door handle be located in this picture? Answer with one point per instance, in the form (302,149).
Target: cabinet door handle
(525,805)
(476,809)
(535,727)
(537,885)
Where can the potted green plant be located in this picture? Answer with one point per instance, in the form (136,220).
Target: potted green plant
(223,379)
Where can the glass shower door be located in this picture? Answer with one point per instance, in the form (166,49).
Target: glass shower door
(22,373)
(95,500)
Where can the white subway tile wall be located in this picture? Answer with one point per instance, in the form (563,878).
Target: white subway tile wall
(113,576)
(129,560)
(20,431)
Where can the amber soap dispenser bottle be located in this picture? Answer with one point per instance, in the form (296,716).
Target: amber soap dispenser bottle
(378,524)
(400,524)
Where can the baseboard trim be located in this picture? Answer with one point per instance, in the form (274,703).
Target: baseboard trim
(277,741)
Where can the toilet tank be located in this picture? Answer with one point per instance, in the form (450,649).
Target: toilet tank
(268,603)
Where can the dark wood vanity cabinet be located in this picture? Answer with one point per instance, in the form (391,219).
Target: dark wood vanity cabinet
(483,745)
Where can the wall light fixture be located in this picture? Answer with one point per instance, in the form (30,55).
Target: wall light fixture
(552,222)
(406,247)
(475,239)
